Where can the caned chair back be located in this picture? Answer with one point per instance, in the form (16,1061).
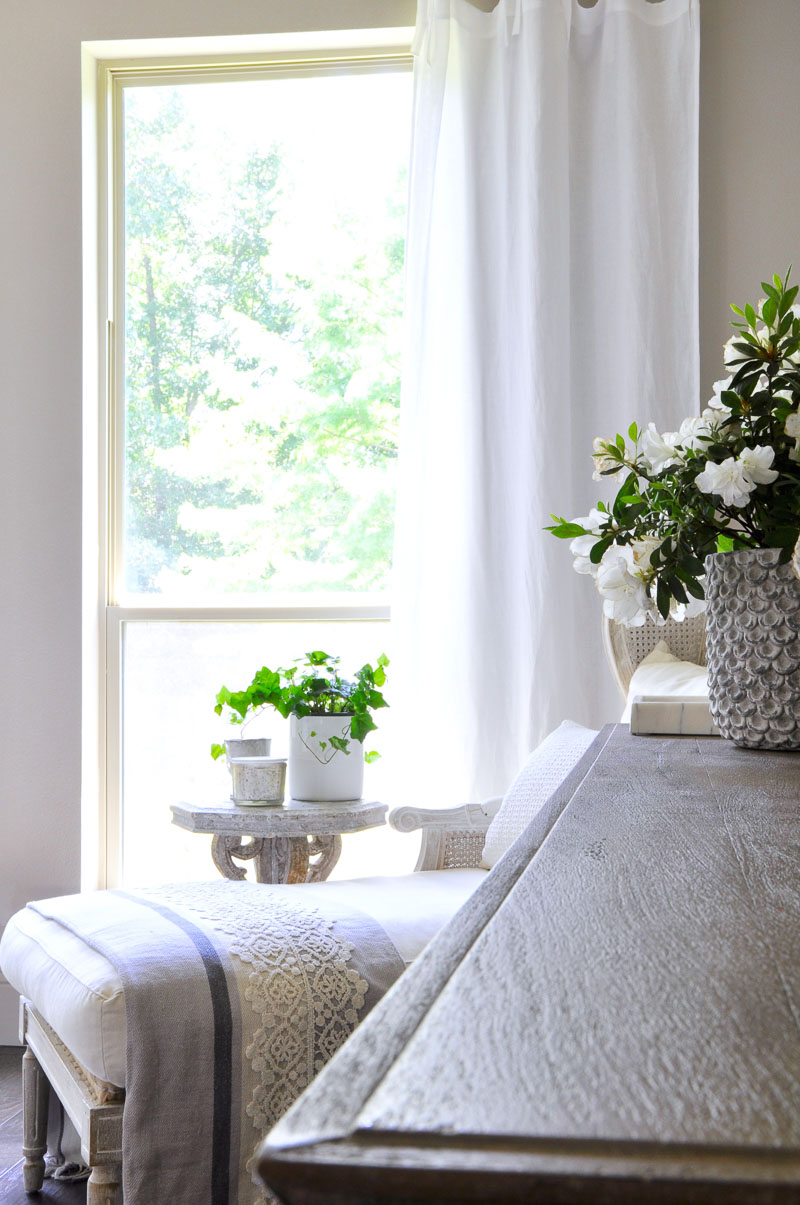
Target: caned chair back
(627,647)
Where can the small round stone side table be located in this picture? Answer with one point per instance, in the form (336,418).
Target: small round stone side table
(297,842)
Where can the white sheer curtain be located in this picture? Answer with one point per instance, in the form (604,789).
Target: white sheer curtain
(552,297)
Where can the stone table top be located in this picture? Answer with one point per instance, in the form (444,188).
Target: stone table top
(293,818)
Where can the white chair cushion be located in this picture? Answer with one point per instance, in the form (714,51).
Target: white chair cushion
(662,673)
(543,772)
(79,993)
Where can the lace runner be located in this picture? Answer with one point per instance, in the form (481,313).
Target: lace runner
(304,998)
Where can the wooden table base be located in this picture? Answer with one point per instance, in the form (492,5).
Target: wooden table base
(278,859)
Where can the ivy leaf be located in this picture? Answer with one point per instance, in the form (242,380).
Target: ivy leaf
(372,756)
(724,543)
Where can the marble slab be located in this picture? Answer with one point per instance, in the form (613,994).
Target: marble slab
(672,715)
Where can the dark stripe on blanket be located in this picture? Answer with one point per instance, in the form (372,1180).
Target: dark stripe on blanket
(223,1047)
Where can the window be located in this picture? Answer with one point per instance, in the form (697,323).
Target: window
(255,255)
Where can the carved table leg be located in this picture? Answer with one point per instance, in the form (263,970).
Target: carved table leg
(328,850)
(224,849)
(35,1099)
(283,860)
(277,859)
(104,1186)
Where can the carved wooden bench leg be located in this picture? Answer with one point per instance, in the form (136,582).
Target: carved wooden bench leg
(35,1099)
(104,1186)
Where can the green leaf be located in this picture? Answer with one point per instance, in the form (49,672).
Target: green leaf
(597,551)
(372,756)
(633,432)
(620,442)
(770,311)
(750,315)
(662,598)
(217,751)
(360,725)
(565,531)
(724,543)
(736,310)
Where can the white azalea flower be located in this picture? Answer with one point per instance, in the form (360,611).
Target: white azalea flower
(602,461)
(716,401)
(687,610)
(728,479)
(756,462)
(642,550)
(796,559)
(694,433)
(580,548)
(660,451)
(594,522)
(625,597)
(792,429)
(729,352)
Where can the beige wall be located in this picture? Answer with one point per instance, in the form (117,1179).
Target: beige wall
(748,225)
(749,159)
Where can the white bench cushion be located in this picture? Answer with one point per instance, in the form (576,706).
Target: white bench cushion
(79,994)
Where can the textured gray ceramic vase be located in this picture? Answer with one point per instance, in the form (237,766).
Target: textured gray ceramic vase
(753,648)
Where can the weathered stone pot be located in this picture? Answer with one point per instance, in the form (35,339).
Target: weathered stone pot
(753,648)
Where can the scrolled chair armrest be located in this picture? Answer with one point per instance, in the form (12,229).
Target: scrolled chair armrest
(452,838)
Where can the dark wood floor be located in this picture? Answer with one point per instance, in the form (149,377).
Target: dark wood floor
(11,1190)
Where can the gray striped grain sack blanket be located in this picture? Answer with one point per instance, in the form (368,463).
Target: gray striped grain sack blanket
(236,994)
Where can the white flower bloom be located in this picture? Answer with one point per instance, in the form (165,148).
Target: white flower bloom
(602,461)
(728,479)
(756,462)
(796,559)
(660,451)
(792,429)
(694,433)
(625,598)
(594,522)
(580,548)
(729,352)
(687,610)
(719,387)
(642,550)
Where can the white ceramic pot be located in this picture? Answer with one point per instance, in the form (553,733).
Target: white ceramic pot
(319,773)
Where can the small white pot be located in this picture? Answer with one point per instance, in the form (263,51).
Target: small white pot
(254,746)
(319,773)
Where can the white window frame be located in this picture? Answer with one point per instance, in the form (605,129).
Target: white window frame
(107,69)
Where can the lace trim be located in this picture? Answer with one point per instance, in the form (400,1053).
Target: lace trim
(305,1000)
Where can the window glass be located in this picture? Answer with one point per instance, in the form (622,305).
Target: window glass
(263,251)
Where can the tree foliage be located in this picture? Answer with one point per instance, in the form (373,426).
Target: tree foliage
(261,399)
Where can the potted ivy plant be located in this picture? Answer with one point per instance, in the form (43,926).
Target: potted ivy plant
(329,717)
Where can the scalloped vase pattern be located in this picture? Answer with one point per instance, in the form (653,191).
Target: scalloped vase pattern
(753,648)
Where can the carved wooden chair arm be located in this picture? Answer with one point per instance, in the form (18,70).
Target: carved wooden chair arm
(452,838)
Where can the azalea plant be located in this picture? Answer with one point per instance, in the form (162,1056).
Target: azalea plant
(727,479)
(312,686)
